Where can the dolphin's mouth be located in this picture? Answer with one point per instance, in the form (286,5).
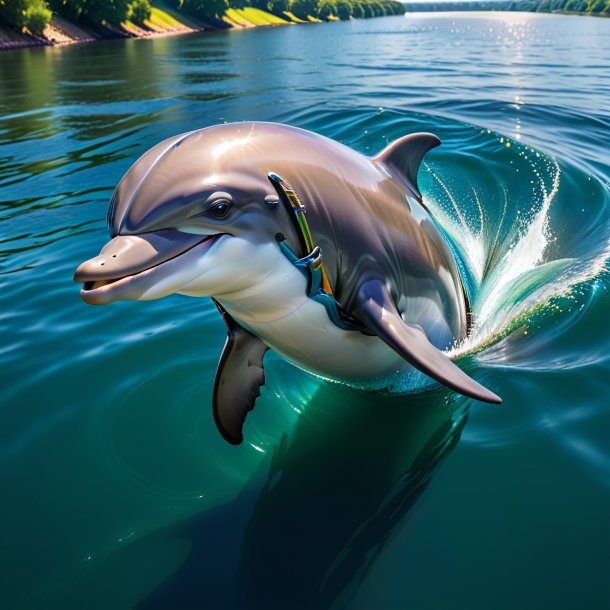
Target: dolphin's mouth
(88,286)
(130,266)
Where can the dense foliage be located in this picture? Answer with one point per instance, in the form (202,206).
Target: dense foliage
(301,9)
(139,10)
(102,11)
(204,9)
(35,14)
(570,6)
(21,14)
(277,7)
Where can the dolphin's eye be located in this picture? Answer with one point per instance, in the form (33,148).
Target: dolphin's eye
(220,209)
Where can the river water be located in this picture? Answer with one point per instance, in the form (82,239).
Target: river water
(118,492)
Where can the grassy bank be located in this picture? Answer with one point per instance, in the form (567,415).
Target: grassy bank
(56,22)
(252,17)
(61,31)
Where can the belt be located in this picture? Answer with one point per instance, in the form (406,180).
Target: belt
(310,263)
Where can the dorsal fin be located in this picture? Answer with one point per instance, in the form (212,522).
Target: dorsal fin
(406,155)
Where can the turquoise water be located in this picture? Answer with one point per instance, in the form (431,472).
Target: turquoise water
(117,490)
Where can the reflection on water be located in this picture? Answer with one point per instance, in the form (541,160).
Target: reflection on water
(332,498)
(118,491)
(305,530)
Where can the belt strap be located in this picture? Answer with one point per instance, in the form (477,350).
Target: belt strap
(299,216)
(310,261)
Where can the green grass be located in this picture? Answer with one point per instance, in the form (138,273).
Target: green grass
(161,19)
(169,15)
(129,26)
(293,17)
(252,16)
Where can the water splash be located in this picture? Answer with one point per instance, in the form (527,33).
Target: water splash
(508,257)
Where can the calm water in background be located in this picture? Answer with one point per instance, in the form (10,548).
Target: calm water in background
(118,492)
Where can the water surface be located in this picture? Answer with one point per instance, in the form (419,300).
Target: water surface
(117,490)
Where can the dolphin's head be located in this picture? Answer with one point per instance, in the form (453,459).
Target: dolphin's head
(196,214)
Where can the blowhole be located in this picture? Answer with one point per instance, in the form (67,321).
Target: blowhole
(272,202)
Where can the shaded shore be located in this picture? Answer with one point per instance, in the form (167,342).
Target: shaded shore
(62,32)
(162,18)
(163,22)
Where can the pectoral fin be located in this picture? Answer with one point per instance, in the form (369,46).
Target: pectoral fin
(239,377)
(376,309)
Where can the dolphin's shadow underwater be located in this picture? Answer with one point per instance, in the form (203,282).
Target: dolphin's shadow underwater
(304,535)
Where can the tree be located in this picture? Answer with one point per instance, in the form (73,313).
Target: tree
(302,8)
(278,7)
(395,7)
(204,9)
(70,9)
(22,14)
(106,11)
(92,11)
(357,9)
(377,8)
(368,10)
(325,9)
(344,9)
(139,10)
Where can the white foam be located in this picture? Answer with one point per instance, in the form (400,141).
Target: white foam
(521,279)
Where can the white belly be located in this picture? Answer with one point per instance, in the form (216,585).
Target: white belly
(278,311)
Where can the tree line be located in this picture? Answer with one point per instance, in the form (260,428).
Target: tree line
(301,9)
(33,15)
(589,7)
(585,7)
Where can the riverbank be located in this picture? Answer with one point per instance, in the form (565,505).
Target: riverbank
(63,32)
(163,21)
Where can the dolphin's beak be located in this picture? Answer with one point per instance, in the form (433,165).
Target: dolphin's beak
(125,258)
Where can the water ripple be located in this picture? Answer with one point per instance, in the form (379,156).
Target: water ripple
(106,411)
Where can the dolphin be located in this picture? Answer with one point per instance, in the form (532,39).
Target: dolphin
(328,257)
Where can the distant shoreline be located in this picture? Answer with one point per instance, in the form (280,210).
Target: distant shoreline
(556,7)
